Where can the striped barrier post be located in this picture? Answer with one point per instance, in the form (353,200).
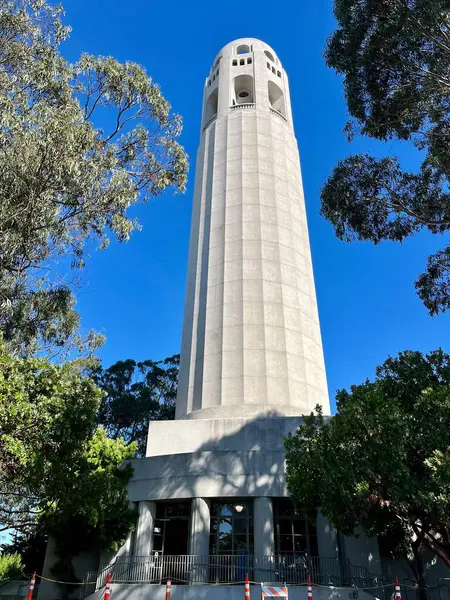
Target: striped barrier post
(398,595)
(247,588)
(309,588)
(31,586)
(108,586)
(168,588)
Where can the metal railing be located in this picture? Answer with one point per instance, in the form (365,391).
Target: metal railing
(277,112)
(244,106)
(209,121)
(228,569)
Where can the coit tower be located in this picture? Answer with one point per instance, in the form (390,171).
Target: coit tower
(251,336)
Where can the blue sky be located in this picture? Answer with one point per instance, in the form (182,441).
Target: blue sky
(134,292)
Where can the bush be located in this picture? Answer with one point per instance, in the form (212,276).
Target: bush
(10,566)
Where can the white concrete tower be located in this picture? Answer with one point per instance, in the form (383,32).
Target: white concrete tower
(251,335)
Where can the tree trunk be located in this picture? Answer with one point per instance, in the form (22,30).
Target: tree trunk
(422,591)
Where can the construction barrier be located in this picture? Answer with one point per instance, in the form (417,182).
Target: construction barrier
(274,591)
(309,588)
(31,586)
(398,595)
(108,586)
(168,588)
(247,588)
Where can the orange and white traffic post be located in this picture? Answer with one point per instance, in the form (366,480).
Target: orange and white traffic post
(309,585)
(108,586)
(168,588)
(31,586)
(398,595)
(247,588)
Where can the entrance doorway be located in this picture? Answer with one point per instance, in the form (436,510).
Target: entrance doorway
(176,535)
(171,539)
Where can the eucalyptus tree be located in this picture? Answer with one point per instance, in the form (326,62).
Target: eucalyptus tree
(394,56)
(66,183)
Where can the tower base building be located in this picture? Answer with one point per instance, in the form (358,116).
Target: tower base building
(211,491)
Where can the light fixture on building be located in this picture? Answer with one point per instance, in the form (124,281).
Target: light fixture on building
(238,508)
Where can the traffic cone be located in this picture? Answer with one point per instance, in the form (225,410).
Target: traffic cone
(31,586)
(168,588)
(247,588)
(108,586)
(398,595)
(309,584)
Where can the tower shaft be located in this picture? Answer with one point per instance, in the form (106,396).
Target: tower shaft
(251,336)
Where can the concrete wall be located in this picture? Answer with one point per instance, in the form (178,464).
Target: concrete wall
(362,550)
(49,590)
(437,577)
(214,458)
(220,592)
(231,434)
(14,589)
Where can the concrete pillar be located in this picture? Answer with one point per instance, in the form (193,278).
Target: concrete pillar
(144,532)
(328,546)
(264,539)
(263,527)
(363,551)
(199,540)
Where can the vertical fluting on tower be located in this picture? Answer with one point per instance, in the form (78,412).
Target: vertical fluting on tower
(251,335)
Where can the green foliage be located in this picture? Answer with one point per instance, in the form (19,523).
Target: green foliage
(31,546)
(10,566)
(60,472)
(135,394)
(394,57)
(65,182)
(382,462)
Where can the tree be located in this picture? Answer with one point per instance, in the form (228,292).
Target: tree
(381,462)
(136,393)
(10,565)
(31,546)
(66,184)
(60,473)
(394,57)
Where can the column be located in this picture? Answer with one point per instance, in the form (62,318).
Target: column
(330,562)
(264,538)
(144,567)
(199,540)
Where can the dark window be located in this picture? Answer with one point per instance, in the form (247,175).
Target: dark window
(273,70)
(231,528)
(279,73)
(268,65)
(249,61)
(217,73)
(209,82)
(294,535)
(242,61)
(242,49)
(234,63)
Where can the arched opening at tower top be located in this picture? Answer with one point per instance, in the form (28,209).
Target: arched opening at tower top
(269,55)
(211,105)
(276,98)
(242,49)
(243,89)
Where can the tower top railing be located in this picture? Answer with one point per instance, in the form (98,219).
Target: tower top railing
(278,113)
(209,121)
(244,106)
